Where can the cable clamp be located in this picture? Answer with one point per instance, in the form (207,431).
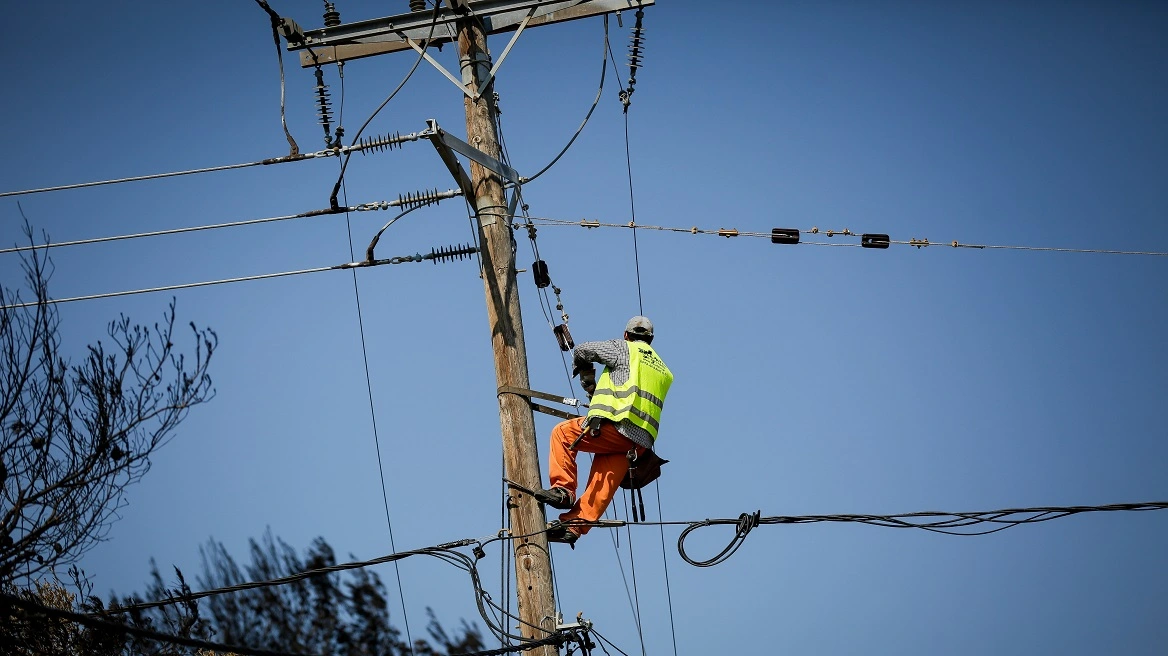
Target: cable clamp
(590,224)
(728,232)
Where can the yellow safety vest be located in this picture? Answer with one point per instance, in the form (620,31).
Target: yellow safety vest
(640,399)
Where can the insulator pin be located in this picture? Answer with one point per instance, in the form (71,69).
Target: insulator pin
(874,240)
(539,269)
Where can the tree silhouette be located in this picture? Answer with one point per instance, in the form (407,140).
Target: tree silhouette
(74,437)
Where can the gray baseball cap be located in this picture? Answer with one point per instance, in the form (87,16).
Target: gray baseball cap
(639,326)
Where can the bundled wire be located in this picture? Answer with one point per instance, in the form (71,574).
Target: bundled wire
(949,523)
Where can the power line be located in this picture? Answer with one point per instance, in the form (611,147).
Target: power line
(155,176)
(368,378)
(917,243)
(949,523)
(106,625)
(371,144)
(595,101)
(434,255)
(409,74)
(405,199)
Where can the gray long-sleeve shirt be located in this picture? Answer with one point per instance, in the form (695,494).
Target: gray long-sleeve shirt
(614,354)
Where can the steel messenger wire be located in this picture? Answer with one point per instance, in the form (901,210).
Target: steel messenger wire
(918,243)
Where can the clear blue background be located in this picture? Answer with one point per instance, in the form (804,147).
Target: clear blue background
(809,379)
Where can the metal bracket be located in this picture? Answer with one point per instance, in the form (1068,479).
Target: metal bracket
(495,68)
(443,139)
(434,62)
(447,145)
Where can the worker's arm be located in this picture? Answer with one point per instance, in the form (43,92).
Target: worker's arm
(607,353)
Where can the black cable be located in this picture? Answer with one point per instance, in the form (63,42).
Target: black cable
(106,625)
(633,574)
(665,562)
(633,216)
(599,92)
(610,643)
(421,55)
(949,523)
(557,640)
(746,522)
(369,387)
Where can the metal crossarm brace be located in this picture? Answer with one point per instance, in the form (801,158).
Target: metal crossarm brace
(494,69)
(443,140)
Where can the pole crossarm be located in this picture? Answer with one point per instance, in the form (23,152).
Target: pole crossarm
(394,33)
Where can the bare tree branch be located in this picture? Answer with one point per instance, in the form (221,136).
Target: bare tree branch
(74,437)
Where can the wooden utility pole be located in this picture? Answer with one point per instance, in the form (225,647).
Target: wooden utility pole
(342,42)
(537,605)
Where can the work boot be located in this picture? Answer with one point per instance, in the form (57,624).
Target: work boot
(556,497)
(558,531)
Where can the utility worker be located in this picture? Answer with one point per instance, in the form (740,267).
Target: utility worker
(624,415)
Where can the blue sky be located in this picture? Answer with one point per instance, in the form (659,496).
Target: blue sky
(809,379)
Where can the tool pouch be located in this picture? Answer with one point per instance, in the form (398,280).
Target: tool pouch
(643,469)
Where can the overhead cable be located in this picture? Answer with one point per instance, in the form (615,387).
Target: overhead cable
(866,240)
(435,255)
(363,146)
(595,101)
(117,627)
(949,523)
(446,552)
(402,200)
(335,19)
(409,74)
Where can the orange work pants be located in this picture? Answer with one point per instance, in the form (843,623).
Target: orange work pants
(609,467)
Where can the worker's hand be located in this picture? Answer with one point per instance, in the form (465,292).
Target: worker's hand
(583,368)
(588,380)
